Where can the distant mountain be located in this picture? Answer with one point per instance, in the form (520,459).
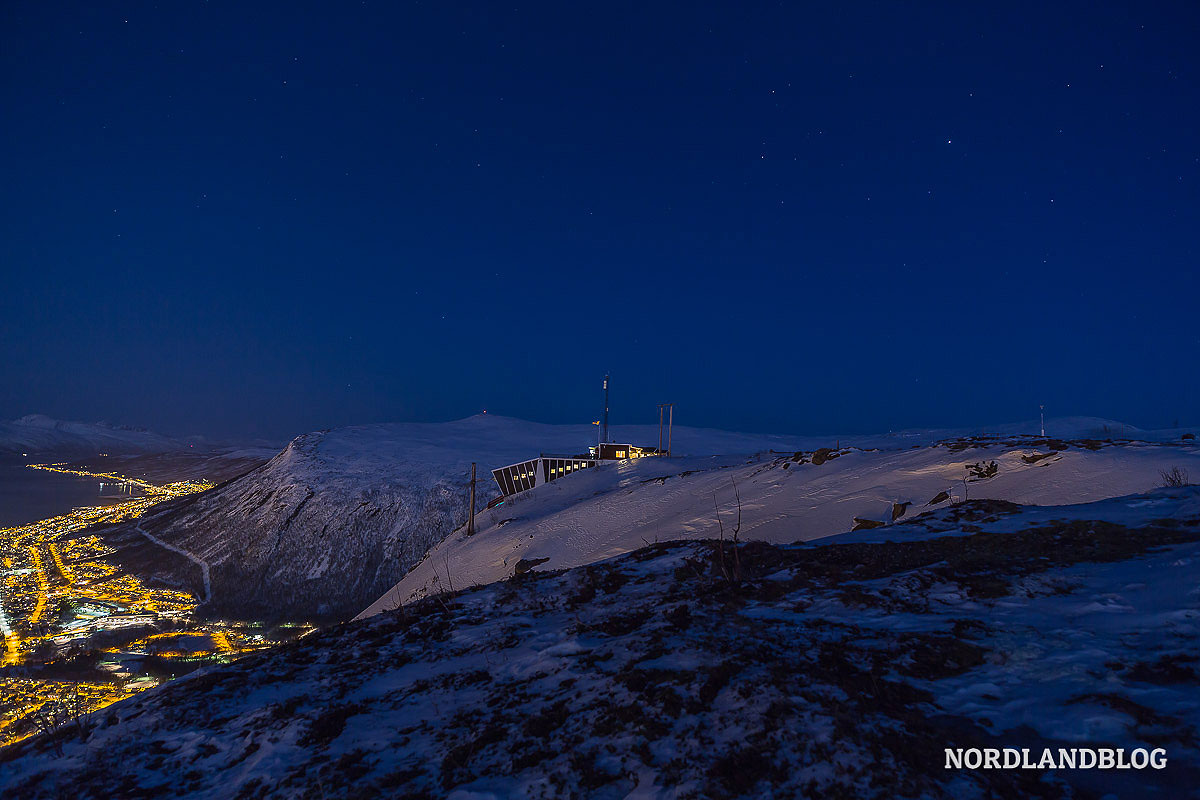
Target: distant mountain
(38,434)
(691,669)
(339,516)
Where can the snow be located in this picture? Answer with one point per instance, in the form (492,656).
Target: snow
(834,669)
(1090,619)
(619,507)
(194,559)
(338,516)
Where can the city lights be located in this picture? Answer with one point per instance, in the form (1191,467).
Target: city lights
(79,631)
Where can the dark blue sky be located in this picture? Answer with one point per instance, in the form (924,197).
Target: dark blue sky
(243,218)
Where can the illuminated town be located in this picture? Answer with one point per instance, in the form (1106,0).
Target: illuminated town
(79,632)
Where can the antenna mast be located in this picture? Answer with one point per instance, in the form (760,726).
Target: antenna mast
(606,407)
(670,424)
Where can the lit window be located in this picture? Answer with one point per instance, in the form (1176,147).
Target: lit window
(620,454)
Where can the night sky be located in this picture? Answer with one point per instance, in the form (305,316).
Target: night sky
(256,219)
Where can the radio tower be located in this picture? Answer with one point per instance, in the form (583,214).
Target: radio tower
(605,433)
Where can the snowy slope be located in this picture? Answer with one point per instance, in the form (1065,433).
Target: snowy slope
(36,433)
(339,516)
(617,508)
(840,669)
(1057,427)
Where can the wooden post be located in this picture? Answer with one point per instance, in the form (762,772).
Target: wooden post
(670,425)
(471,508)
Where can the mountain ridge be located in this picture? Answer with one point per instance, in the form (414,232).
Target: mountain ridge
(337,517)
(664,673)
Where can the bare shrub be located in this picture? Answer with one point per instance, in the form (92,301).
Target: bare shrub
(1174,477)
(58,719)
(734,575)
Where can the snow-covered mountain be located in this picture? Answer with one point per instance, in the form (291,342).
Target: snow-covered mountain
(36,433)
(842,668)
(800,496)
(339,516)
